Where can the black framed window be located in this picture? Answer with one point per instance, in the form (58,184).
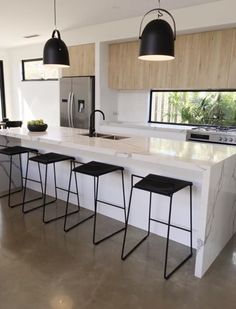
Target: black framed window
(34,70)
(193,107)
(2,91)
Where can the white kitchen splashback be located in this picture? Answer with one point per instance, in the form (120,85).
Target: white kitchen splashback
(133,106)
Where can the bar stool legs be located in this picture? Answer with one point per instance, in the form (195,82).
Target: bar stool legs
(10,180)
(123,255)
(96,200)
(45,220)
(25,187)
(8,194)
(169,225)
(67,229)
(10,205)
(96,169)
(44,193)
(167,275)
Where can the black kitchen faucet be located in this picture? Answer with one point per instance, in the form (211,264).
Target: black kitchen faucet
(92,121)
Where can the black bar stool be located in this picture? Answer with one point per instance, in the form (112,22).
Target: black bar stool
(13,124)
(96,169)
(11,152)
(163,186)
(47,159)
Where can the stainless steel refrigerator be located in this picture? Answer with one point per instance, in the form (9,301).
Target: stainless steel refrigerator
(77,101)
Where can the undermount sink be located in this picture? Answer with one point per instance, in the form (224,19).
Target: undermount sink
(106,136)
(94,135)
(114,137)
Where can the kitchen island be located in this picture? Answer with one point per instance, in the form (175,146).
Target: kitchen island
(211,168)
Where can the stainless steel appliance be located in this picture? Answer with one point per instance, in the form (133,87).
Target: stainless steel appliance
(77,101)
(218,135)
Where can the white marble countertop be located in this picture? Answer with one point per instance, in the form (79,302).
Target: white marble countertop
(190,155)
(146,126)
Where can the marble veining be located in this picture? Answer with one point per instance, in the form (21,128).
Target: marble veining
(219,212)
(4,167)
(213,205)
(200,244)
(233,208)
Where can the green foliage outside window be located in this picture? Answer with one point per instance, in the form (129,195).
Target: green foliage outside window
(199,108)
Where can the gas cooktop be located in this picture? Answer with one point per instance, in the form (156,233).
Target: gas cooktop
(213,134)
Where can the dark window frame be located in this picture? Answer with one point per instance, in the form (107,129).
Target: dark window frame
(182,90)
(2,87)
(23,61)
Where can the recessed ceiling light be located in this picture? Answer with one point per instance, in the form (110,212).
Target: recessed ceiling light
(31,36)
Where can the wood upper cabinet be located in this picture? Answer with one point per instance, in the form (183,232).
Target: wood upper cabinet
(82,60)
(202,60)
(232,64)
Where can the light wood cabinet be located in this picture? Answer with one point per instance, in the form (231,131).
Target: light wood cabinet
(203,60)
(232,64)
(82,60)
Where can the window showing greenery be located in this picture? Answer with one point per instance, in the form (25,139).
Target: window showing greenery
(194,107)
(33,69)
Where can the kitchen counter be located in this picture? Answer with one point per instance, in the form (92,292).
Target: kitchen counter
(147,126)
(169,131)
(197,156)
(211,168)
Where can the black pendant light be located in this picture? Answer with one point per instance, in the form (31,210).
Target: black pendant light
(157,39)
(55,52)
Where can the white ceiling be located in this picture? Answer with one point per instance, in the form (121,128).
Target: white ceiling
(19,18)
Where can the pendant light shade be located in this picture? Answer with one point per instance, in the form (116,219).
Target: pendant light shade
(55,52)
(157,39)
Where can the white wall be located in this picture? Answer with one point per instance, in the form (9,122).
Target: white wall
(38,100)
(32,99)
(41,99)
(133,106)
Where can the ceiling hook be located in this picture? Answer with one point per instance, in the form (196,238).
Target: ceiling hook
(159,13)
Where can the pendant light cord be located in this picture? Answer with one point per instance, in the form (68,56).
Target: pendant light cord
(55,15)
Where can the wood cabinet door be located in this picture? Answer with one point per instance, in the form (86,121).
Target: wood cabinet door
(202,61)
(82,61)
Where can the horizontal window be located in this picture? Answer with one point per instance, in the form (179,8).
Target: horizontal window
(197,107)
(33,69)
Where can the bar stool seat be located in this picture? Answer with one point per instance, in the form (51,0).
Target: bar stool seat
(96,169)
(47,159)
(16,150)
(163,186)
(13,124)
(51,157)
(10,152)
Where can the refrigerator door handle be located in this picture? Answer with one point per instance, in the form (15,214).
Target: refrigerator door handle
(68,108)
(71,108)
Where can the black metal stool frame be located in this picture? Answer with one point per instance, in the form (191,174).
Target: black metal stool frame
(45,194)
(96,201)
(67,203)
(124,256)
(22,185)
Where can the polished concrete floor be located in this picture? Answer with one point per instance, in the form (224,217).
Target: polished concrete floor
(41,267)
